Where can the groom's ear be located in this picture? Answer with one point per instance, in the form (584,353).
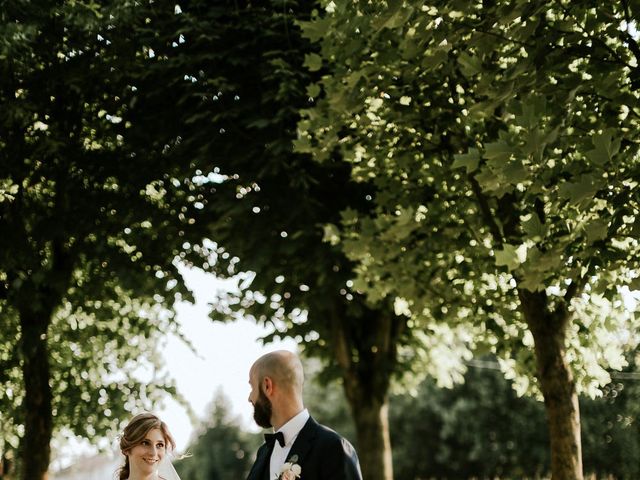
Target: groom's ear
(268,385)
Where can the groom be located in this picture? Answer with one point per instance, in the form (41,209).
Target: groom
(300,448)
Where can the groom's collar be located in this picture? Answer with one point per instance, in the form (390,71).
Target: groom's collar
(293,426)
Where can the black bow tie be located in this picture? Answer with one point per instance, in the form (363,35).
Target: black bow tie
(271,438)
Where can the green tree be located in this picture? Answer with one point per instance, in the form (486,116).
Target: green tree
(505,165)
(221,450)
(93,221)
(267,204)
(478,429)
(481,428)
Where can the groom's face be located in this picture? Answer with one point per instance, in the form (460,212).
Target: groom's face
(262,410)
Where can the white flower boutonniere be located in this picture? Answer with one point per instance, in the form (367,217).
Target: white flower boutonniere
(290,470)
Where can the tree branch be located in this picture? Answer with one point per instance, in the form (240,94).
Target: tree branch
(575,287)
(624,35)
(597,40)
(486,211)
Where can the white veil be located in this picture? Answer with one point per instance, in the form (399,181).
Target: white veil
(166,470)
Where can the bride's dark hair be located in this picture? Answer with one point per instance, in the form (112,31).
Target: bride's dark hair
(135,432)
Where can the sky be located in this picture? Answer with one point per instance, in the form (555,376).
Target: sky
(224,355)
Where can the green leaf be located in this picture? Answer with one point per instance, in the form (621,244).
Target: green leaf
(549,261)
(511,256)
(606,146)
(469,160)
(469,65)
(302,145)
(313,62)
(315,29)
(534,108)
(596,230)
(313,90)
(410,48)
(583,189)
(488,180)
(533,280)
(353,78)
(532,226)
(436,58)
(498,151)
(331,234)
(515,172)
(396,16)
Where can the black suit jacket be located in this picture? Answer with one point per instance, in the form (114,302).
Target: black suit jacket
(321,453)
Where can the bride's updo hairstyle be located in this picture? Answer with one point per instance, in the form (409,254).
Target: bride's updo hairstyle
(136,431)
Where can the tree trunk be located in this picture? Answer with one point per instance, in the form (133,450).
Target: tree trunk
(556,383)
(6,466)
(367,376)
(35,449)
(374,445)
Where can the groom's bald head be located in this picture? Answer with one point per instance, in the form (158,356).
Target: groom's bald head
(283,367)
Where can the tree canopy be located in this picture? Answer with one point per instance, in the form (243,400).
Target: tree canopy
(505,167)
(94,218)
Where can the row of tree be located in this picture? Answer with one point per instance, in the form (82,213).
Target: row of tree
(395,185)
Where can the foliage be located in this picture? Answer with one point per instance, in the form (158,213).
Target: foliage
(506,170)
(94,218)
(103,366)
(481,428)
(267,204)
(221,450)
(502,162)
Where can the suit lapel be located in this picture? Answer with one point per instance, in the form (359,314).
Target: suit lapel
(299,449)
(260,469)
(303,442)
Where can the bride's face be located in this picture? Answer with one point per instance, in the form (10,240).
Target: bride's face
(145,457)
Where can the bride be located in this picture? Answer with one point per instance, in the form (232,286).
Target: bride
(147,446)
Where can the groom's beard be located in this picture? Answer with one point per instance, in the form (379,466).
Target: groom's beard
(262,411)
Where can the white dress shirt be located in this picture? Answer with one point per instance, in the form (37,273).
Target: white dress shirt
(290,430)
